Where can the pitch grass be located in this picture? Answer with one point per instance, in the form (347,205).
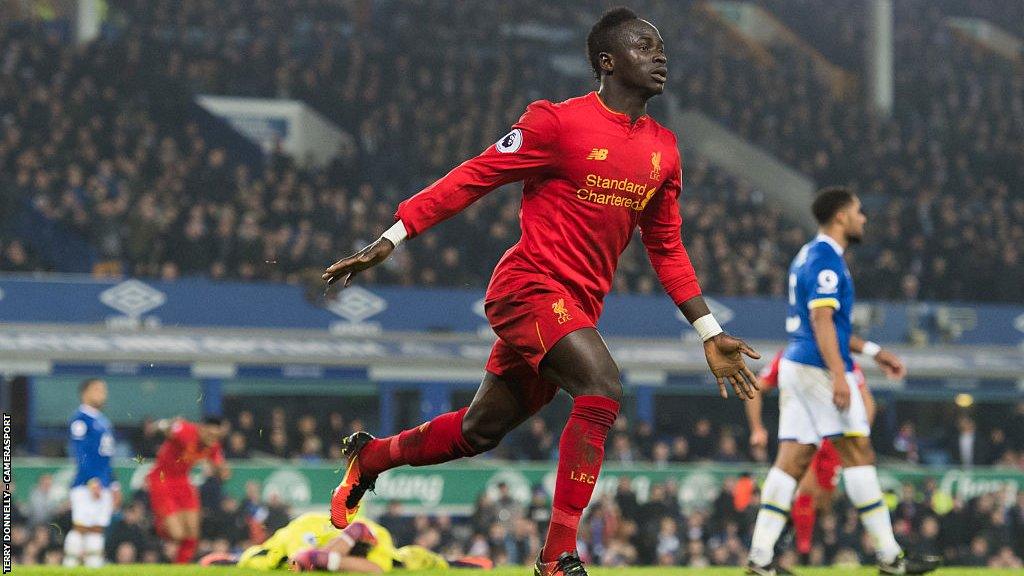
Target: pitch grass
(166,570)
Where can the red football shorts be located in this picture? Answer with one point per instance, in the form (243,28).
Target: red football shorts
(827,465)
(528,322)
(171,495)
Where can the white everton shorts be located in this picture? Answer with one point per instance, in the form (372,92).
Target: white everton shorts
(806,412)
(87,510)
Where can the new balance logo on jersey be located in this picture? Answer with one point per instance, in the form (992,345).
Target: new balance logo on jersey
(598,154)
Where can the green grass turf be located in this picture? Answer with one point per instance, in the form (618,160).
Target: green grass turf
(165,570)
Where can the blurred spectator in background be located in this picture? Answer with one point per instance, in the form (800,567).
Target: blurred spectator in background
(702,442)
(236,446)
(537,443)
(967,447)
(905,444)
(42,502)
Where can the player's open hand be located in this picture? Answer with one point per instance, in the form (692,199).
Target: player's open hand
(841,392)
(725,358)
(347,268)
(95,488)
(891,365)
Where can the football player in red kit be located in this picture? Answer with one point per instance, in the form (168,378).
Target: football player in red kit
(817,487)
(594,168)
(174,500)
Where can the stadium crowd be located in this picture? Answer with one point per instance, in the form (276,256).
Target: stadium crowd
(98,149)
(621,527)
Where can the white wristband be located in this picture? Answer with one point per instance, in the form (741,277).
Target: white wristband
(706,327)
(396,234)
(870,349)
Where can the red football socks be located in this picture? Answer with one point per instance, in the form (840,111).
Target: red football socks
(803,522)
(580,453)
(439,440)
(186,550)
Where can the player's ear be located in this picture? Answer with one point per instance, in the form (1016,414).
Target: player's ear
(841,217)
(606,61)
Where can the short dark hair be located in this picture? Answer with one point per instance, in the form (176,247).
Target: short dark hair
(213,420)
(602,36)
(86,384)
(829,202)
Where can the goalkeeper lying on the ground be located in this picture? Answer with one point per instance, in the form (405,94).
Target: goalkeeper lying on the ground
(310,542)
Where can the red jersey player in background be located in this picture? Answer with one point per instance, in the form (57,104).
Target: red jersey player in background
(817,487)
(174,500)
(594,168)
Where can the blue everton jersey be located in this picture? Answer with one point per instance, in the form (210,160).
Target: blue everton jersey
(92,445)
(818,277)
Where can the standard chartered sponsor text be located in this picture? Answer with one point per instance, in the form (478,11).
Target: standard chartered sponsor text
(602,190)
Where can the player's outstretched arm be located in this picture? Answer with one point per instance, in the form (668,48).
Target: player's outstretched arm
(660,232)
(528,150)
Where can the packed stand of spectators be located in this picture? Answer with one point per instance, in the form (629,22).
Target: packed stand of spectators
(623,526)
(160,202)
(945,174)
(941,179)
(155,199)
(171,206)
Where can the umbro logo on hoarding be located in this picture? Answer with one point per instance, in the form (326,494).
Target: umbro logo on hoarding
(356,304)
(133,298)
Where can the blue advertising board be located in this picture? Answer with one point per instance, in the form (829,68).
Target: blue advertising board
(372,310)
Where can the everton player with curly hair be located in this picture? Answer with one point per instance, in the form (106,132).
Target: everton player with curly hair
(815,381)
(593,168)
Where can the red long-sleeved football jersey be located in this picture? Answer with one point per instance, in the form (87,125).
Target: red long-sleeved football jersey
(590,176)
